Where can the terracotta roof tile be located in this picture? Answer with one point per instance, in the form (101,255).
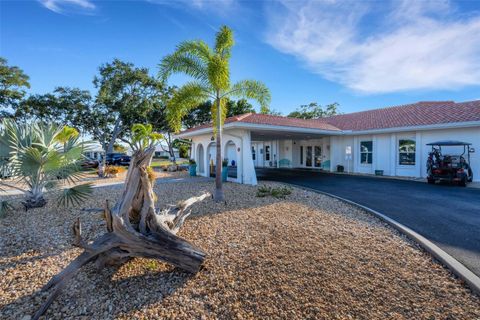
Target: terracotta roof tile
(416,114)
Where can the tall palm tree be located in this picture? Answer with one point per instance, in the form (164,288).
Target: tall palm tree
(210,70)
(42,157)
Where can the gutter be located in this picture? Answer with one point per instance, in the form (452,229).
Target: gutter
(244,125)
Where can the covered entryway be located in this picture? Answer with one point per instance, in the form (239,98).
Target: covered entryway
(290,150)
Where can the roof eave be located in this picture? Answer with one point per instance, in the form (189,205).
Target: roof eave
(250,126)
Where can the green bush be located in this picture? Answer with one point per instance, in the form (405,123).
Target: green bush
(276,192)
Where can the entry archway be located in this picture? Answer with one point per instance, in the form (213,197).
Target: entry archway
(231,154)
(211,159)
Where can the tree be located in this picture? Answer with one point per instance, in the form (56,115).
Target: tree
(135,228)
(119,148)
(126,95)
(235,108)
(315,111)
(13,82)
(202,113)
(63,106)
(210,70)
(43,157)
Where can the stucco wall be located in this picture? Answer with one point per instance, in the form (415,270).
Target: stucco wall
(385,151)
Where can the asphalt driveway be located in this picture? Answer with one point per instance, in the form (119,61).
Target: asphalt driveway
(447,215)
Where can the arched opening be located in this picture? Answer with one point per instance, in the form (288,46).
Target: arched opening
(231,156)
(200,159)
(211,159)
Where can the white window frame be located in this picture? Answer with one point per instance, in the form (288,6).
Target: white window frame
(397,160)
(360,153)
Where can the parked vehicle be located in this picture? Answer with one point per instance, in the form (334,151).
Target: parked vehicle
(117,159)
(88,163)
(453,168)
(5,168)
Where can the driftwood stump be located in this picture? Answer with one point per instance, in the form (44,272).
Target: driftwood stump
(134,229)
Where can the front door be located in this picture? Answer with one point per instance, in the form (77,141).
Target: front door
(313,156)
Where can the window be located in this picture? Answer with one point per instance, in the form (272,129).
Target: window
(253,152)
(366,151)
(267,153)
(301,154)
(406,152)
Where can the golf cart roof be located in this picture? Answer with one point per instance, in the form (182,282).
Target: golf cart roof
(449,143)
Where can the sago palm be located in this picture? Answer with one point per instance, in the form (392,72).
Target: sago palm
(44,157)
(210,70)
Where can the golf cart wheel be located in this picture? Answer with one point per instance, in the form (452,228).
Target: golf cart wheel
(463,182)
(430,181)
(470,175)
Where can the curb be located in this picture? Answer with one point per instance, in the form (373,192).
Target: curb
(457,268)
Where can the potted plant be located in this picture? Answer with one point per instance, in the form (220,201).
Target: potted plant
(224,169)
(192,167)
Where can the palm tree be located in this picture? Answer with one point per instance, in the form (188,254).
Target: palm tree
(42,157)
(210,70)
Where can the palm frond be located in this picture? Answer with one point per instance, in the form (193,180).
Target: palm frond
(252,89)
(187,97)
(186,63)
(219,73)
(224,42)
(223,113)
(66,134)
(196,48)
(75,195)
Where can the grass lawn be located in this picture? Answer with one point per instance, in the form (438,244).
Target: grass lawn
(165,162)
(304,257)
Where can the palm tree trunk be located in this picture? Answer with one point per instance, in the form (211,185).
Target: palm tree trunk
(219,196)
(34,198)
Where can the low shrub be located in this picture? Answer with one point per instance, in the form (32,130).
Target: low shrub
(111,171)
(276,192)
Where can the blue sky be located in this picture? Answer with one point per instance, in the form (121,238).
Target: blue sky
(361,54)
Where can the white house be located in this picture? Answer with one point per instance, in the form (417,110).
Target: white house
(391,139)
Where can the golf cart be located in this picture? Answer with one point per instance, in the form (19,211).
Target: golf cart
(449,167)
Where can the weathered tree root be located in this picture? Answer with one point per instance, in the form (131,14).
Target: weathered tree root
(134,229)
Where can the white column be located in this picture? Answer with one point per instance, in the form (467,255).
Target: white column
(418,154)
(355,154)
(393,154)
(248,168)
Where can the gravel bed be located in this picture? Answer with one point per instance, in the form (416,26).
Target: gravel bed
(305,257)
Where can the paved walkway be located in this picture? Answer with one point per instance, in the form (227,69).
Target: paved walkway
(447,215)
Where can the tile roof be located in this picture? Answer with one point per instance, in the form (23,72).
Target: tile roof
(266,119)
(415,114)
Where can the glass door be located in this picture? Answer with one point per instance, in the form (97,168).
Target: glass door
(317,156)
(308,158)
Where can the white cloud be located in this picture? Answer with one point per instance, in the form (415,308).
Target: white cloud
(374,48)
(217,6)
(59,6)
